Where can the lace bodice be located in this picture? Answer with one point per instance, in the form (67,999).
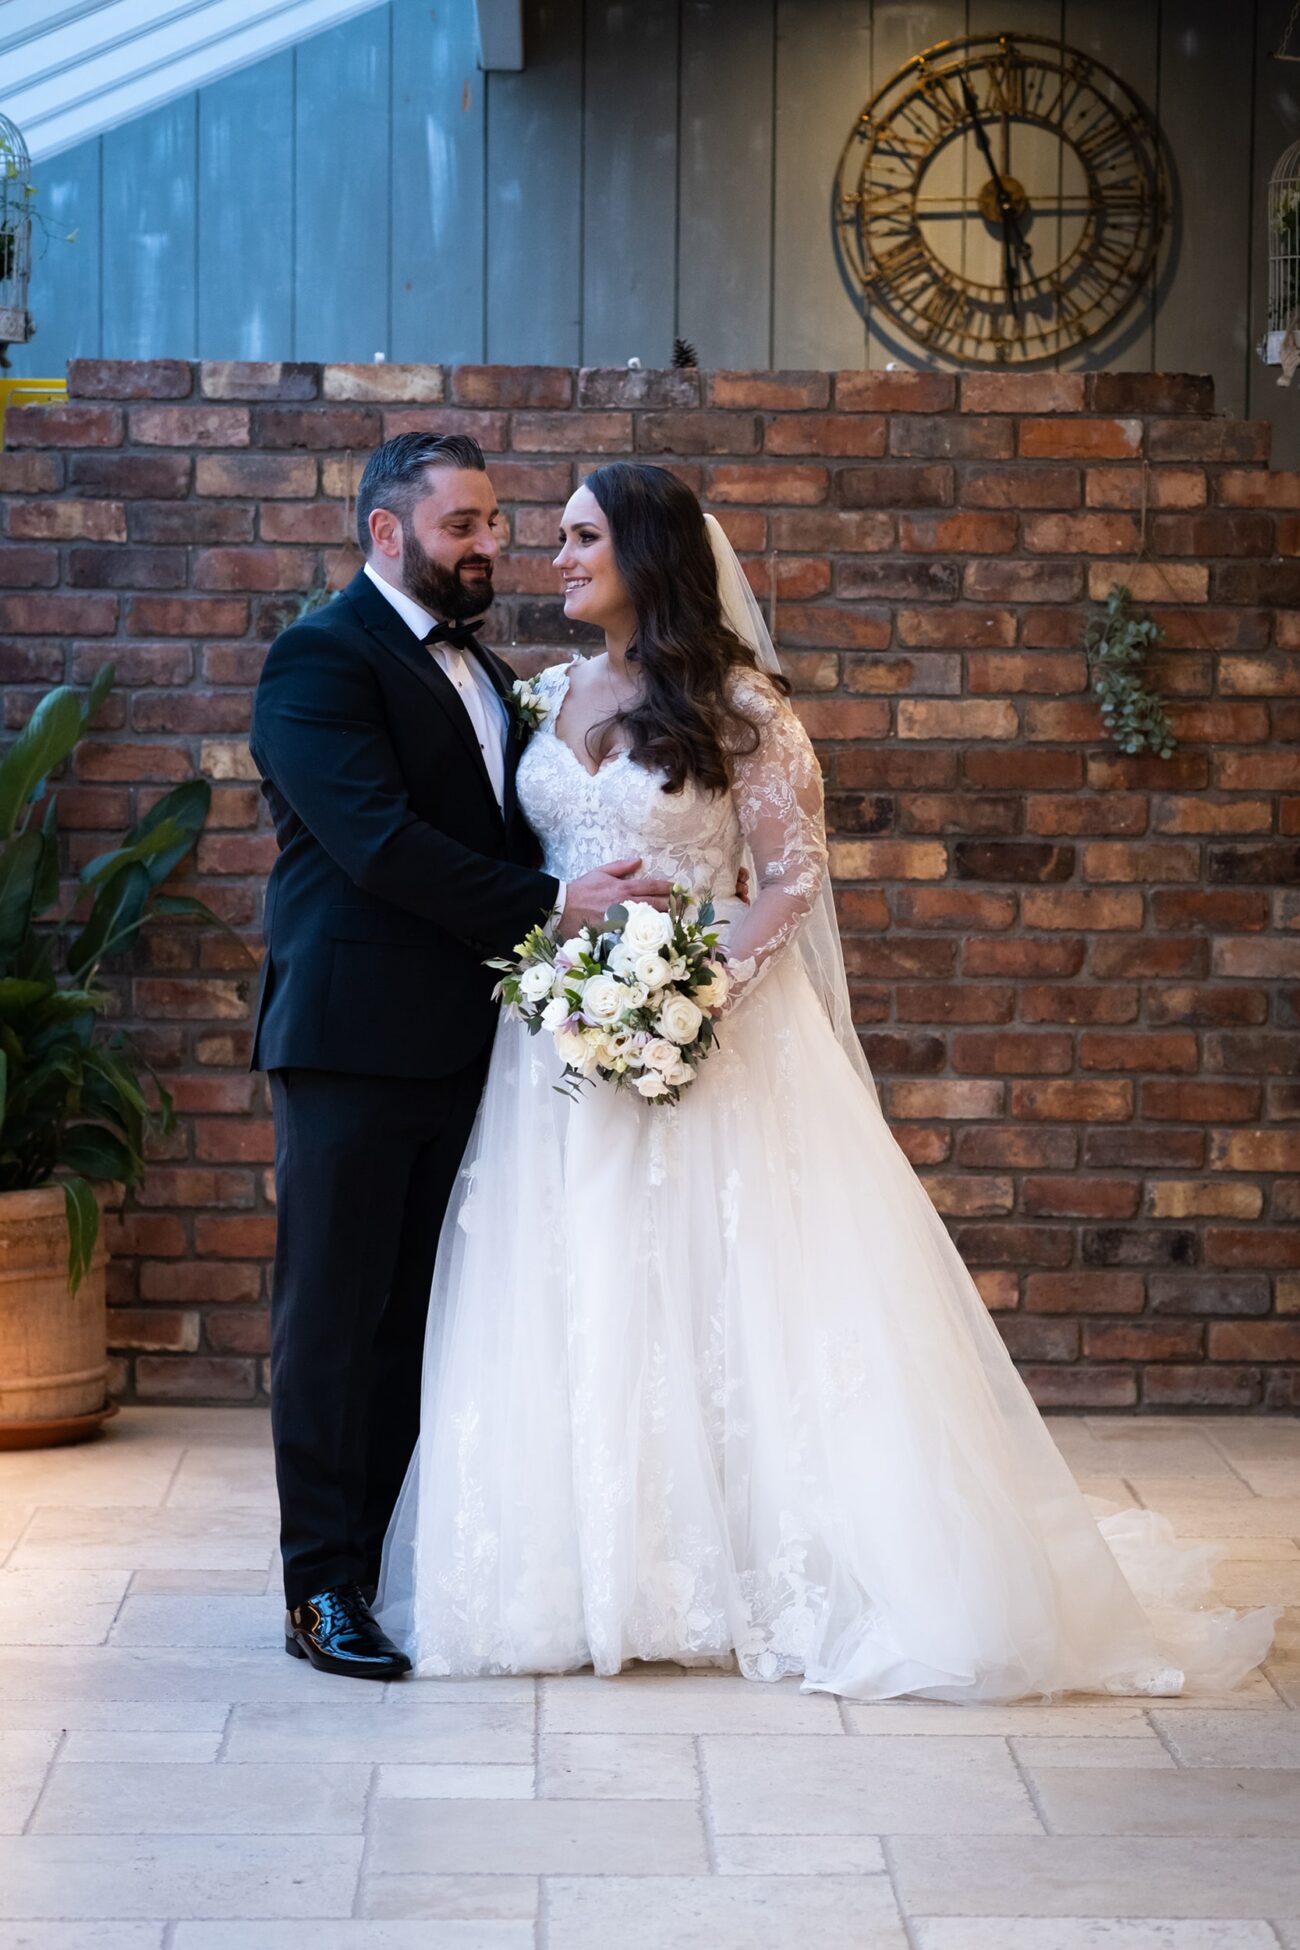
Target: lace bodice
(773,813)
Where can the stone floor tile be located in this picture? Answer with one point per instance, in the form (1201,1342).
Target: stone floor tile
(1259,1550)
(1246,1583)
(367,1732)
(509,1689)
(137,1876)
(629,1766)
(190,1582)
(450,1781)
(89,1475)
(1284,1675)
(132,1538)
(24,1762)
(1254,1695)
(1168,1494)
(224,1427)
(160,1798)
(798,1855)
(663,1700)
(1232,1739)
(451,1898)
(772,1785)
(665,1912)
(1060,1750)
(1288,1932)
(1095,1875)
(107,1749)
(214,1476)
(1103,1718)
(355,1934)
(83,1936)
(596,1838)
(63,1607)
(70,1676)
(1086,1933)
(202,1619)
(14,1519)
(1246,1516)
(115,1717)
(1210,1801)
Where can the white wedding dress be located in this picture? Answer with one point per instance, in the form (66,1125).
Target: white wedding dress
(712,1384)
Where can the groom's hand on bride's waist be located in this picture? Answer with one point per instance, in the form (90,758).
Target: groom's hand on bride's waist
(589,899)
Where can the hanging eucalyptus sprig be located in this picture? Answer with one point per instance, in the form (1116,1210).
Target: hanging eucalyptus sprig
(1116,644)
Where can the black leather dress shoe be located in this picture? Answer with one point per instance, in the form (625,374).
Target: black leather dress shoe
(336,1630)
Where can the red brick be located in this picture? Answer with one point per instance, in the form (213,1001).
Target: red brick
(769,391)
(191,711)
(926,672)
(93,567)
(186,616)
(1034,1339)
(1200,1387)
(195,1378)
(964,719)
(30,473)
(150,477)
(1200,1103)
(1154,487)
(1013,1053)
(1137,957)
(197,1280)
(60,521)
(945,436)
(959,628)
(252,379)
(1022,392)
(699,433)
(1021,958)
(850,629)
(573,433)
(512,386)
(190,426)
(1080,1197)
(298,521)
(130,379)
(1256,488)
(1074,1101)
(1020,486)
(768,483)
(253,568)
(958,534)
(1035,771)
(28,568)
(836,532)
(839,718)
(526,480)
(1143,1340)
(1111,1292)
(798,577)
(1064,439)
(954,907)
(652,386)
(851,435)
(1209,439)
(135,664)
(1147,861)
(1212,534)
(238,1333)
(313,427)
(895,484)
(894,392)
(1080,1387)
(153,1328)
(1022,582)
(58,615)
(262,475)
(1091,534)
(63,426)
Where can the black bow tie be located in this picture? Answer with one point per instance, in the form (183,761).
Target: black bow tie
(462,635)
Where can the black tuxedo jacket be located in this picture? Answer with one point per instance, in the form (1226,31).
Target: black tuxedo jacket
(398,872)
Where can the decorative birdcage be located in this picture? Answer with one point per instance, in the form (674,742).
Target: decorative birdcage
(15,238)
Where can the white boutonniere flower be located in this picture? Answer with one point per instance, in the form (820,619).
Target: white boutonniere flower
(531,707)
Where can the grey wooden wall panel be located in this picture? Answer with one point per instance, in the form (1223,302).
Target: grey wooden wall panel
(342,191)
(64,297)
(535,195)
(1205,80)
(150,223)
(629,248)
(1276,126)
(245,295)
(438,176)
(900,29)
(724,271)
(823,80)
(1127,40)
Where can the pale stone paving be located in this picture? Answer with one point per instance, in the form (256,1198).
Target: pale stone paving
(170,1781)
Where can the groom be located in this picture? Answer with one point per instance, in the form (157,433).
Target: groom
(384,736)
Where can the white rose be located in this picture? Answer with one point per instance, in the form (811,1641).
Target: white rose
(603,999)
(535,982)
(680,1073)
(574,949)
(679,1019)
(645,928)
(651,971)
(713,993)
(660,1054)
(555,1012)
(621,960)
(573,1048)
(650,1084)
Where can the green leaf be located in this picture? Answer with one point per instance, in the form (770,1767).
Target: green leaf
(44,742)
(161,839)
(183,811)
(17,997)
(94,1152)
(119,909)
(82,1209)
(20,869)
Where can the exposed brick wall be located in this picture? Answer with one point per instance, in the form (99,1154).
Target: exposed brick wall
(1076,972)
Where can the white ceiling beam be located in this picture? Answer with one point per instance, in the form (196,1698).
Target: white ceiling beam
(121,75)
(500,34)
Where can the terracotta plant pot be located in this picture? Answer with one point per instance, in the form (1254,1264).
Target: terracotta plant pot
(53,1360)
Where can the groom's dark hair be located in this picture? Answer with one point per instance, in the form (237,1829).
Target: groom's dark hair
(394,474)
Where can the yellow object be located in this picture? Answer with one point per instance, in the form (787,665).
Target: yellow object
(28,392)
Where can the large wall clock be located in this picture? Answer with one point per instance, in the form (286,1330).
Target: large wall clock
(1001,199)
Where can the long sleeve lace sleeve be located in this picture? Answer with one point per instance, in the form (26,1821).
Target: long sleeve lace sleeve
(777,791)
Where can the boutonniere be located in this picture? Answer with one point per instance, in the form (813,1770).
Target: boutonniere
(531,709)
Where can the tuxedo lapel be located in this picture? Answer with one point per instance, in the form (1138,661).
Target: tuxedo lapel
(501,677)
(387,627)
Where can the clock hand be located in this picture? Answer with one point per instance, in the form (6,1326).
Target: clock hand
(1014,247)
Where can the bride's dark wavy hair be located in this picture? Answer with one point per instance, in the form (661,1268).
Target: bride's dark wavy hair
(685,721)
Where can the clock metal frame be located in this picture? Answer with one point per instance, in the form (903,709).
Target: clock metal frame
(996,83)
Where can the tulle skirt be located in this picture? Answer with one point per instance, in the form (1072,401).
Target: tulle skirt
(712,1384)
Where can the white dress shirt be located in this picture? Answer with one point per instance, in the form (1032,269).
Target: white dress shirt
(482,702)
(474,687)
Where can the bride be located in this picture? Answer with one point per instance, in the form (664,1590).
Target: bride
(711,1383)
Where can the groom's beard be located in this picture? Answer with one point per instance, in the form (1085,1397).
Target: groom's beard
(445,591)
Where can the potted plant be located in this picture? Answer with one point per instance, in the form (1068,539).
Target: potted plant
(76,1097)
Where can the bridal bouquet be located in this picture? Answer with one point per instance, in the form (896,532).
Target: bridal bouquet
(633,1002)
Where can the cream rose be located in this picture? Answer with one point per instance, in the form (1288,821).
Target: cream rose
(573,1048)
(713,993)
(574,949)
(603,999)
(679,1019)
(660,1054)
(680,1073)
(650,1084)
(645,928)
(621,960)
(556,1011)
(537,981)
(651,970)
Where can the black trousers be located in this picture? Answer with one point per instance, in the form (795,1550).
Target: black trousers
(364,1167)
